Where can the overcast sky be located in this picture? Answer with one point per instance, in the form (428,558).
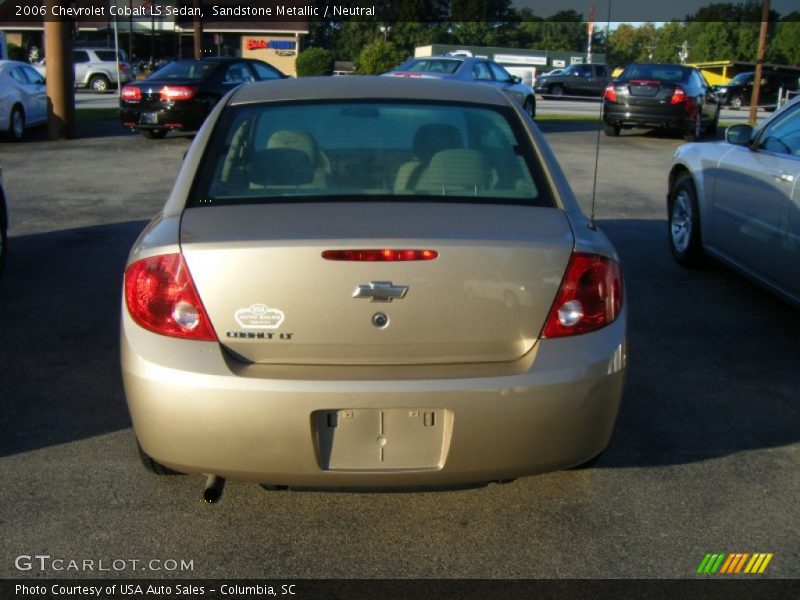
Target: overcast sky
(637,10)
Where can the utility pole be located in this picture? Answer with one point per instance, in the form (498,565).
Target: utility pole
(60,75)
(197,25)
(762,43)
(590,31)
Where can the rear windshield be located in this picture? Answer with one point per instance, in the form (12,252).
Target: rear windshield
(193,70)
(369,150)
(439,65)
(675,74)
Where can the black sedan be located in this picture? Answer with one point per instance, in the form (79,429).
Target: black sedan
(180,95)
(664,96)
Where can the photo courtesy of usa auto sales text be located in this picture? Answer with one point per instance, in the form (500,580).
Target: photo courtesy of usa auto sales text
(140,590)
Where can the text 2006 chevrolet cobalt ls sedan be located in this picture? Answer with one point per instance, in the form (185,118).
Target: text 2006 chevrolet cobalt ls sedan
(308,309)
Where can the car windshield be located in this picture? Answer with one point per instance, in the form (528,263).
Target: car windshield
(741,79)
(440,65)
(193,70)
(656,72)
(369,150)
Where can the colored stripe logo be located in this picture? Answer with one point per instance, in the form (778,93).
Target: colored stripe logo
(734,563)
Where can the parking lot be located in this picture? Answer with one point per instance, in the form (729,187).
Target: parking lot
(704,457)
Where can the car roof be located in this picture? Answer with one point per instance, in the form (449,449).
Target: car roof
(224,59)
(356,87)
(655,64)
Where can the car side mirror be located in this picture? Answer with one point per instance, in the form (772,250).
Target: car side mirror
(516,79)
(739,135)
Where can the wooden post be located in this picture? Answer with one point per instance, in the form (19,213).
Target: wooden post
(198,32)
(60,75)
(762,43)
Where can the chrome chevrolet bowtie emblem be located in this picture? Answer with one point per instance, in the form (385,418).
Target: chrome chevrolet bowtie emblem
(380,291)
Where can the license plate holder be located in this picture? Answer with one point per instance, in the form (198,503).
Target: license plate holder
(382,439)
(148,118)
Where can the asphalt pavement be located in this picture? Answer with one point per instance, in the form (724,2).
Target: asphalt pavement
(704,458)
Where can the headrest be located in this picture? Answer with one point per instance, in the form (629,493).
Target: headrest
(296,140)
(281,166)
(433,138)
(455,170)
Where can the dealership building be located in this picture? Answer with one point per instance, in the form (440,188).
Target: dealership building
(527,64)
(162,29)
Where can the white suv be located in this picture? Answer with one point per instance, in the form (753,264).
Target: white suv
(96,68)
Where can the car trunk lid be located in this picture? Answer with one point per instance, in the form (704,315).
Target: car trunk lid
(273,298)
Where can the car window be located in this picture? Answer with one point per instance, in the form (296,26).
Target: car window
(601,71)
(237,73)
(106,55)
(265,71)
(658,72)
(500,74)
(32,76)
(80,56)
(782,136)
(18,76)
(363,150)
(194,70)
(480,72)
(433,66)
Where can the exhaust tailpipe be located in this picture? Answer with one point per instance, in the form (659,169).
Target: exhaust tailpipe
(213,491)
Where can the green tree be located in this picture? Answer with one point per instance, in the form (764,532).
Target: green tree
(377,57)
(314,61)
(785,46)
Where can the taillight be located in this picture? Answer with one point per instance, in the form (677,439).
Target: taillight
(678,96)
(124,68)
(611,93)
(161,297)
(131,93)
(178,92)
(590,296)
(378,255)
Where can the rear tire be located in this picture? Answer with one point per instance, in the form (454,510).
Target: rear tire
(152,465)
(694,134)
(156,134)
(557,92)
(530,107)
(611,130)
(712,128)
(683,221)
(16,124)
(737,102)
(99,84)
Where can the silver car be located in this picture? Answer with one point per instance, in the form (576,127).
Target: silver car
(23,99)
(298,314)
(96,68)
(470,69)
(739,201)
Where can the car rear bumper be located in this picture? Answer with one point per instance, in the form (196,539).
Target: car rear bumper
(178,118)
(198,411)
(672,117)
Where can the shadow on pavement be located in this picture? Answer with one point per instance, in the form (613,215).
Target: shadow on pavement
(712,359)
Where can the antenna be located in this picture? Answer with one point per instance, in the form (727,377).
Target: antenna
(592,223)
